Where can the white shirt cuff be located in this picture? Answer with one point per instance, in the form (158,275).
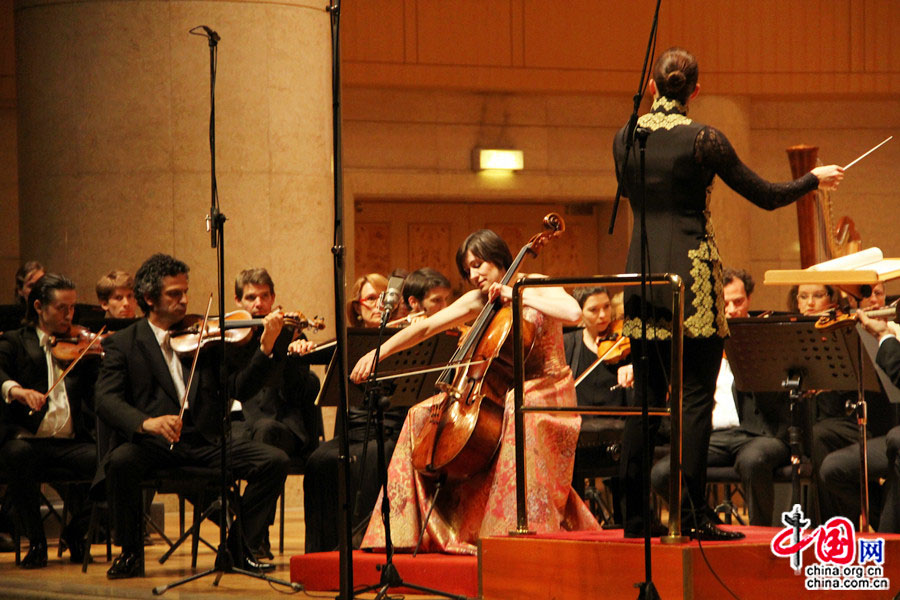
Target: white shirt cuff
(884,337)
(7,386)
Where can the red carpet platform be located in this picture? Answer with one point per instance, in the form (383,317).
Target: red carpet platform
(445,572)
(577,565)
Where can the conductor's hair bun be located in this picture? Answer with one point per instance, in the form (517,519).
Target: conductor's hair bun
(675,80)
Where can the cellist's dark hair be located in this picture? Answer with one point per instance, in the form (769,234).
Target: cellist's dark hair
(45,290)
(486,245)
(148,279)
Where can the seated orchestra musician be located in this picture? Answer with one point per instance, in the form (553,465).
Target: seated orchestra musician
(598,383)
(834,425)
(40,431)
(484,503)
(749,430)
(139,394)
(26,276)
(423,290)
(115,294)
(888,358)
(840,469)
(282,413)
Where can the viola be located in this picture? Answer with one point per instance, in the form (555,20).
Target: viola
(78,340)
(462,433)
(238,324)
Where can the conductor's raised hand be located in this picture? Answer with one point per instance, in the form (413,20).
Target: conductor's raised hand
(363,367)
(829,176)
(167,427)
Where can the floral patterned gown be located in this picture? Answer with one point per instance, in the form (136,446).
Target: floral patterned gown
(485,504)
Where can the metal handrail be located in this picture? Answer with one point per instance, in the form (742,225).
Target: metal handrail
(675,389)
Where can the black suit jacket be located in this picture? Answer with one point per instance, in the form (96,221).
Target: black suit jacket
(888,358)
(23,360)
(288,393)
(135,384)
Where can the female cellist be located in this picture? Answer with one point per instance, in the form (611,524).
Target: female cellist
(485,504)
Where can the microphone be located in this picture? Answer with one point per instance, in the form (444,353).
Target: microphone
(212,34)
(390,298)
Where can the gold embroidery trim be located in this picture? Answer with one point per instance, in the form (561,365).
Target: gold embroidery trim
(658,120)
(668,104)
(661,329)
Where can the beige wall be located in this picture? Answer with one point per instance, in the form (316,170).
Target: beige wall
(113,140)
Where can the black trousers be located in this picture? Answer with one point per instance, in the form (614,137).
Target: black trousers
(25,462)
(700,368)
(841,475)
(320,486)
(263,467)
(829,435)
(890,514)
(754,457)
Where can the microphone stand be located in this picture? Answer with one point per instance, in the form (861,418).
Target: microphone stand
(647,589)
(215,222)
(338,251)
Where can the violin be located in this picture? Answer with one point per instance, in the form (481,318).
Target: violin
(836,318)
(78,340)
(612,346)
(463,430)
(238,325)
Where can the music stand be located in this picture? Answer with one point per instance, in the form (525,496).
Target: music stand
(436,350)
(790,354)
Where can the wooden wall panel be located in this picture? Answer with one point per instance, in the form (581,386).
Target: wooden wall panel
(462,32)
(764,47)
(375,33)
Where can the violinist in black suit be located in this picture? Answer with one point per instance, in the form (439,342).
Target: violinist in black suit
(37,430)
(139,393)
(283,412)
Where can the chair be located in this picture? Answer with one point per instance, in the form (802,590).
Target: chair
(187,481)
(729,479)
(60,479)
(597,456)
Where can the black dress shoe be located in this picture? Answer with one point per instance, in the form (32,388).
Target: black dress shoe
(125,565)
(36,557)
(249,564)
(710,532)
(74,541)
(657,529)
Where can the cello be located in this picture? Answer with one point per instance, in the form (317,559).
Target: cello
(463,430)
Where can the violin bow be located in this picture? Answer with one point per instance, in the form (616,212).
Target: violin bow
(187,387)
(70,367)
(599,360)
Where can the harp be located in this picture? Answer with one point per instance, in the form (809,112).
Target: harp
(820,238)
